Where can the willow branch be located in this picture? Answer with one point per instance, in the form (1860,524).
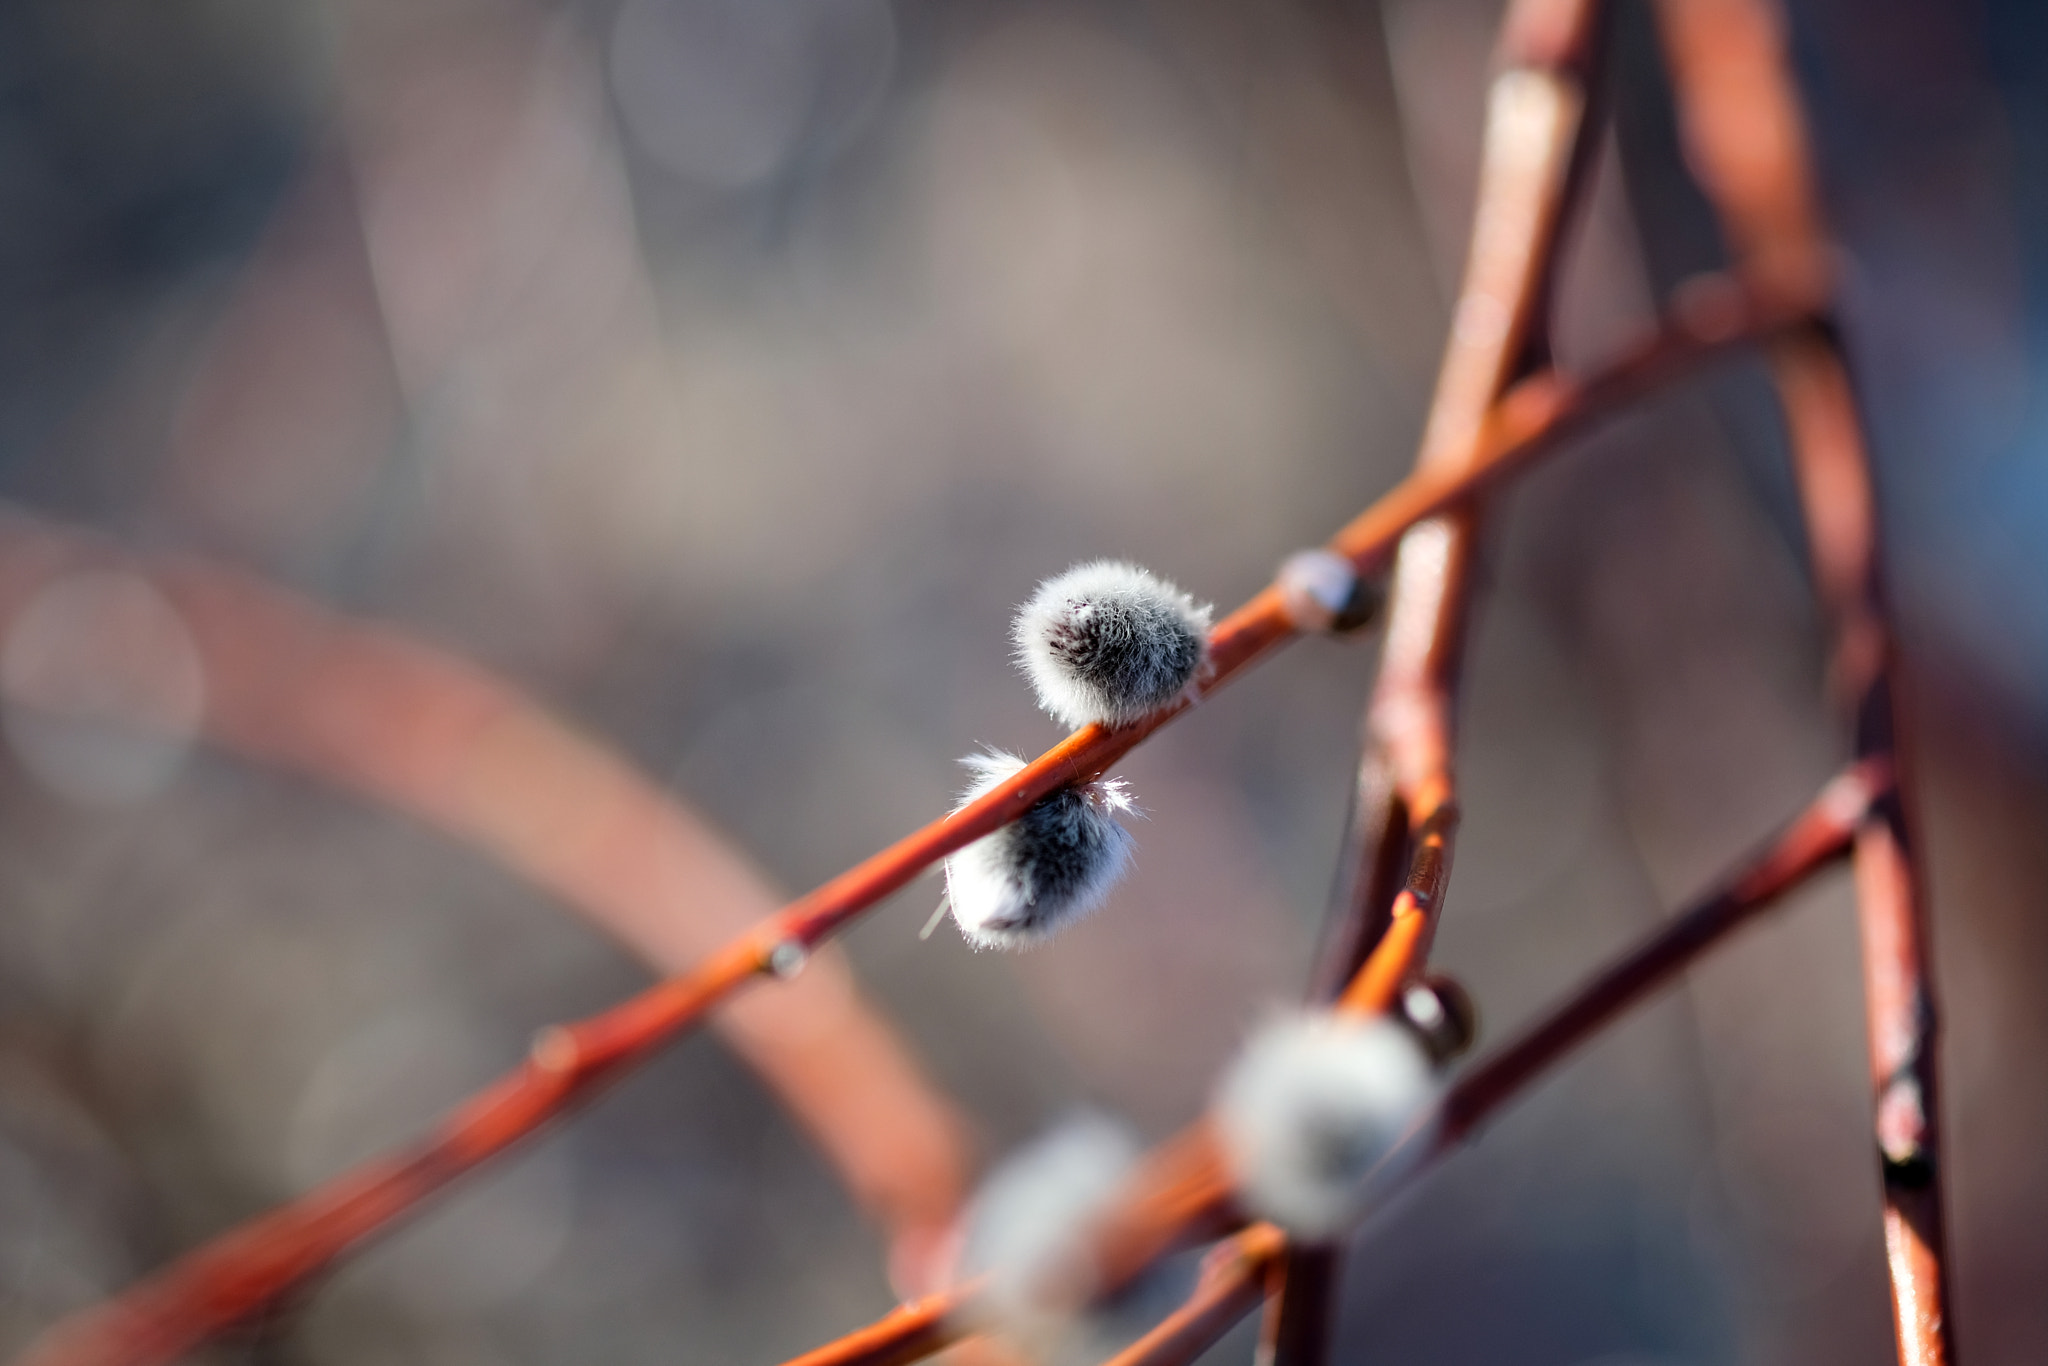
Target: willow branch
(1817,838)
(911,1332)
(1747,138)
(1235,1278)
(1538,146)
(253,1266)
(1825,833)
(374,712)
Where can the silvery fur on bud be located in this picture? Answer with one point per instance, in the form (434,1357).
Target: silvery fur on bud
(1027,1226)
(1309,1109)
(1043,871)
(1108,642)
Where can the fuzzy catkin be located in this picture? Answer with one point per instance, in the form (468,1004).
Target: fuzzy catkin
(1026,1228)
(1043,871)
(1109,642)
(1309,1110)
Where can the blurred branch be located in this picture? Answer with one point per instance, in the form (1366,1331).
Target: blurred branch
(909,1333)
(1747,139)
(376,713)
(253,1266)
(1232,1281)
(397,721)
(1825,832)
(1235,1276)
(1539,137)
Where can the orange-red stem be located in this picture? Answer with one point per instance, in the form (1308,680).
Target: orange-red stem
(255,1265)
(1747,138)
(909,1333)
(1820,836)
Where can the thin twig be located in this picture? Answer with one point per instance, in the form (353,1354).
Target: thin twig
(1827,831)
(1818,837)
(1235,1277)
(1533,172)
(368,709)
(1822,834)
(252,1266)
(1746,134)
(1183,1192)
(911,1332)
(1183,1185)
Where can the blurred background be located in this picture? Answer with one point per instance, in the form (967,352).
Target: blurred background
(723,372)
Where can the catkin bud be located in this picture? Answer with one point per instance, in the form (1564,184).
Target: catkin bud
(1323,591)
(1310,1108)
(1043,871)
(1026,1228)
(1109,642)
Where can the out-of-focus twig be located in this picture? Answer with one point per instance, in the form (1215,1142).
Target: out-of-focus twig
(1233,1280)
(1538,141)
(911,1332)
(1747,140)
(1535,144)
(1827,831)
(1235,1277)
(375,712)
(384,715)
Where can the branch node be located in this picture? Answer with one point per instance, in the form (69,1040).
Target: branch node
(1322,592)
(1442,1014)
(786,959)
(555,1050)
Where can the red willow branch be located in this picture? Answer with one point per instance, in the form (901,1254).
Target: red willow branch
(910,1332)
(1234,1277)
(253,1266)
(1821,835)
(363,707)
(1183,1193)
(1746,135)
(1260,1263)
(1539,141)
(1828,830)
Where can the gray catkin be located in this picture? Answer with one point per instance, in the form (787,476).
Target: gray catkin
(1043,871)
(1109,642)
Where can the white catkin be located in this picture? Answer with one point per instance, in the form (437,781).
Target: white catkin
(1309,1109)
(1026,1226)
(1109,642)
(1043,871)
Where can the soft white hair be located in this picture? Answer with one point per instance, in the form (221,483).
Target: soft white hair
(1043,871)
(1027,1226)
(1107,641)
(1309,1109)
